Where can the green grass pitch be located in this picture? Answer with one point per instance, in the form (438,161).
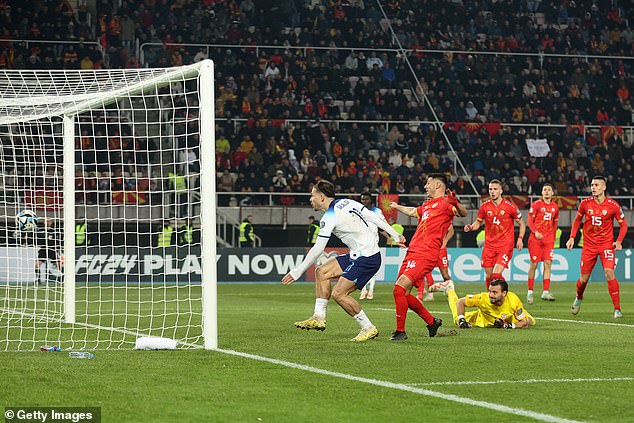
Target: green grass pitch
(539,370)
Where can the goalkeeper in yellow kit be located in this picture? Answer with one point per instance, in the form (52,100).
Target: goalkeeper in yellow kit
(497,308)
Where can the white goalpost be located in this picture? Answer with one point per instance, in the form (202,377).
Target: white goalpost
(119,167)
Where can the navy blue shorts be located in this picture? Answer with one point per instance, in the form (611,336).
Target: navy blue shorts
(361,270)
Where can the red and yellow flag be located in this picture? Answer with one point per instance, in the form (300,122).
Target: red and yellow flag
(607,131)
(384,204)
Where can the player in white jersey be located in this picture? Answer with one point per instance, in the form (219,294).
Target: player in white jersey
(355,226)
(367,201)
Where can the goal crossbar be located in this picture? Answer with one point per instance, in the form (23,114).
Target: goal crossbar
(29,92)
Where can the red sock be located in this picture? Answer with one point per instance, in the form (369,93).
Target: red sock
(497,276)
(581,287)
(546,284)
(488,282)
(613,289)
(430,279)
(401,307)
(531,284)
(419,309)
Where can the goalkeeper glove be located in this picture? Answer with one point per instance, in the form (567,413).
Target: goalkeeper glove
(462,322)
(501,324)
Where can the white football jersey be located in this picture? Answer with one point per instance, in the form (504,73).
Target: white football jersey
(379,214)
(344,219)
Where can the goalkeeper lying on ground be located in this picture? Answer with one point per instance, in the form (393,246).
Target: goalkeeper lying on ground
(497,308)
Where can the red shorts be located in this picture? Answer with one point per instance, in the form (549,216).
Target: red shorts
(540,249)
(415,267)
(443,259)
(589,259)
(492,256)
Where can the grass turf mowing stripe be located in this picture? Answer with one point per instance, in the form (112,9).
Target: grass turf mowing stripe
(494,382)
(385,384)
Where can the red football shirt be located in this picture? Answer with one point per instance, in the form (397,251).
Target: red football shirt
(544,218)
(499,223)
(598,228)
(434,218)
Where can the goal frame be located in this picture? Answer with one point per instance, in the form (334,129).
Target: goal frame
(204,71)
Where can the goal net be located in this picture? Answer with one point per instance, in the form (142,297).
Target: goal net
(118,166)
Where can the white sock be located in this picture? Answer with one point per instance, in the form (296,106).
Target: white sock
(43,273)
(54,270)
(370,285)
(320,308)
(530,291)
(546,292)
(363,320)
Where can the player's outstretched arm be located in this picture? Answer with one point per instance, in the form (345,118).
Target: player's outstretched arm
(473,226)
(409,211)
(310,258)
(452,199)
(461,210)
(382,224)
(460,310)
(523,324)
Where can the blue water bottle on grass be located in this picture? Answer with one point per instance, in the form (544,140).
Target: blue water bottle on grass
(81,354)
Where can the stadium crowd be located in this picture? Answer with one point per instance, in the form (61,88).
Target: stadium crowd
(275,105)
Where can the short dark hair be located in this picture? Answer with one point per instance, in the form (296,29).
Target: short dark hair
(367,194)
(502,283)
(439,177)
(548,184)
(326,187)
(601,178)
(496,181)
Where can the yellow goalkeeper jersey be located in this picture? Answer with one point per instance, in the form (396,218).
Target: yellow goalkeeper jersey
(511,311)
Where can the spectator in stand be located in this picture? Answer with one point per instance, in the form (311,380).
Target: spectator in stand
(532,175)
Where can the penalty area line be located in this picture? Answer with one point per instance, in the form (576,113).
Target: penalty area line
(495,382)
(587,322)
(407,388)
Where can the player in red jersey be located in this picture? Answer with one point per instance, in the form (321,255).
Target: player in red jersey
(435,216)
(498,215)
(443,266)
(598,240)
(543,217)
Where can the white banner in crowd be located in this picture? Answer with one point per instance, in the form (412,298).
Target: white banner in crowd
(17,264)
(537,147)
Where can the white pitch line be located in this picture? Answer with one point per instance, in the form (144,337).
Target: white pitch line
(401,387)
(495,382)
(587,322)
